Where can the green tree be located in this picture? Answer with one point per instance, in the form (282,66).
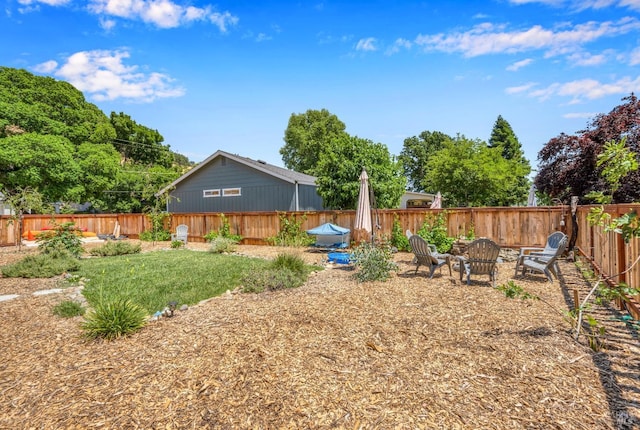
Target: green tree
(415,156)
(99,170)
(138,143)
(43,105)
(307,136)
(469,173)
(503,138)
(339,167)
(42,161)
(53,140)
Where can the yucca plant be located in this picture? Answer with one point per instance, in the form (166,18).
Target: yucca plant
(112,319)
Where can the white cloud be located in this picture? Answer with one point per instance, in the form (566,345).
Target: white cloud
(104,76)
(46,67)
(107,24)
(631,4)
(398,45)
(520,89)
(368,44)
(580,5)
(161,13)
(579,115)
(586,59)
(262,37)
(634,58)
(587,89)
(47,2)
(489,38)
(519,64)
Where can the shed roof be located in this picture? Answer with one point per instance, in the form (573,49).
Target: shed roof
(278,172)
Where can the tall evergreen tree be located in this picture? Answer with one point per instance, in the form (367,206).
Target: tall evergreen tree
(503,137)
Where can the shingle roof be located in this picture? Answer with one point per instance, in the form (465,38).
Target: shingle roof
(278,172)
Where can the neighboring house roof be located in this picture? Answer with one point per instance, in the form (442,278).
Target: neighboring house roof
(278,172)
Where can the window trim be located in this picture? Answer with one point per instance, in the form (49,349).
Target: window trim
(232,192)
(211,193)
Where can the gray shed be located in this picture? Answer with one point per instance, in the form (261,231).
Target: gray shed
(227,182)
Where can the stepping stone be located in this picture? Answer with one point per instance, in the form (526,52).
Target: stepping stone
(45,292)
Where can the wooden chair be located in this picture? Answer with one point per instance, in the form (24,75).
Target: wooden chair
(424,257)
(482,260)
(181,233)
(544,263)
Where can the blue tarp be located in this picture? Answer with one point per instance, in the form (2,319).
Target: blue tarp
(329,229)
(331,236)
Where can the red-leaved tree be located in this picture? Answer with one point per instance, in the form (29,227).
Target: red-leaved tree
(567,163)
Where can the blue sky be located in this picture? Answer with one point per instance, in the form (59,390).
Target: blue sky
(228,75)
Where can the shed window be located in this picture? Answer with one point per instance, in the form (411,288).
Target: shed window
(231,192)
(211,193)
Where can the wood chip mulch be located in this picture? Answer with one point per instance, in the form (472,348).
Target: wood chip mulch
(408,353)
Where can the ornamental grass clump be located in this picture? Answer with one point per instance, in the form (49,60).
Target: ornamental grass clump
(112,319)
(373,262)
(68,309)
(290,262)
(111,249)
(42,265)
(221,244)
(286,271)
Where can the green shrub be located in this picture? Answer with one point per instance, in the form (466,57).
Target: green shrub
(271,279)
(398,237)
(373,263)
(434,231)
(68,309)
(112,319)
(293,263)
(157,236)
(111,249)
(222,244)
(224,232)
(291,233)
(177,244)
(65,236)
(42,265)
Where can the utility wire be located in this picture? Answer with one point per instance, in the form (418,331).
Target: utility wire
(153,145)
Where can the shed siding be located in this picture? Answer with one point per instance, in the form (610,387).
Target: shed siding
(259,191)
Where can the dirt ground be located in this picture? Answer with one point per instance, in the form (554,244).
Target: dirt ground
(408,353)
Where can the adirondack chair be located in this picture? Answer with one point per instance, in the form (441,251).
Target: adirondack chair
(544,263)
(550,248)
(482,260)
(181,233)
(424,256)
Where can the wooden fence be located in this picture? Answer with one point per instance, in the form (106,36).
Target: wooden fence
(510,227)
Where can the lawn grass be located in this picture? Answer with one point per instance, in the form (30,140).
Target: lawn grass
(154,279)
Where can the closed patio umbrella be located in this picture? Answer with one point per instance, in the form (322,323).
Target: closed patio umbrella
(532,201)
(437,202)
(362,225)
